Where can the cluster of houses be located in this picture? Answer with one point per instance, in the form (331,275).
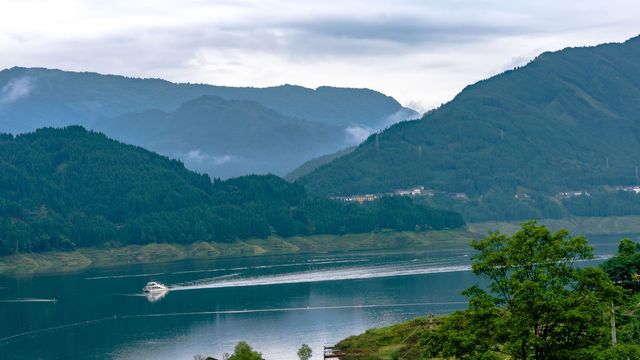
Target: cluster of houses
(415,191)
(570,194)
(634,189)
(421,191)
(357,198)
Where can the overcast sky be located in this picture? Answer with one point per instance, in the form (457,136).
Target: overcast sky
(421,52)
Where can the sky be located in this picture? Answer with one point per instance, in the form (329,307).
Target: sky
(420,52)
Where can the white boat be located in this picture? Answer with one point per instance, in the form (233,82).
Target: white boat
(154,287)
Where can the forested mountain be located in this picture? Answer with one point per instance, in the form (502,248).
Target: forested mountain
(227,138)
(315,163)
(224,131)
(62,188)
(568,121)
(35,97)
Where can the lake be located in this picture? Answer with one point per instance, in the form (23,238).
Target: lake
(273,303)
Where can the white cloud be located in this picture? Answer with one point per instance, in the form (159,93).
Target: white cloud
(421,52)
(16,89)
(198,157)
(195,156)
(357,134)
(222,159)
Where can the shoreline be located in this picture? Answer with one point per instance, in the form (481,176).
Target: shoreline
(402,339)
(54,262)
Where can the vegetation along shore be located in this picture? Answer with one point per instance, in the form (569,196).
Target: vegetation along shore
(396,241)
(535,303)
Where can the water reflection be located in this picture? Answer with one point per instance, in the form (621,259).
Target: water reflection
(156,295)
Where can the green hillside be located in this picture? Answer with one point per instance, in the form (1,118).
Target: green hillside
(315,163)
(67,188)
(567,121)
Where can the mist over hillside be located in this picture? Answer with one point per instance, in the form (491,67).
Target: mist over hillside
(227,138)
(324,120)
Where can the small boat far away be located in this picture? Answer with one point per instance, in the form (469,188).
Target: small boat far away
(153,286)
(155,291)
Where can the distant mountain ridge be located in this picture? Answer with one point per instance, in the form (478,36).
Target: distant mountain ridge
(289,124)
(567,121)
(36,97)
(227,138)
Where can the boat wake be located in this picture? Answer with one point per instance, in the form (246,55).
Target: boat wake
(308,263)
(202,281)
(196,271)
(29,300)
(313,263)
(121,276)
(321,276)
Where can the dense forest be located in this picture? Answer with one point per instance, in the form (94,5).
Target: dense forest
(567,121)
(534,303)
(539,305)
(66,188)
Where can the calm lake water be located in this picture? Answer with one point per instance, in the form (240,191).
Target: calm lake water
(274,303)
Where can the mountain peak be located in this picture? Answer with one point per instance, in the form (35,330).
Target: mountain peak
(544,128)
(65,97)
(634,40)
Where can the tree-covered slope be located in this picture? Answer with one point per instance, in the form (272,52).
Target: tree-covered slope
(62,188)
(35,97)
(569,120)
(315,163)
(227,138)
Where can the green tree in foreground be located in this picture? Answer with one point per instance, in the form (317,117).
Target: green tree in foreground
(243,351)
(305,352)
(625,266)
(538,303)
(623,269)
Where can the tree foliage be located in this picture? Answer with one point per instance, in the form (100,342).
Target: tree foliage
(305,352)
(625,266)
(244,352)
(64,188)
(538,303)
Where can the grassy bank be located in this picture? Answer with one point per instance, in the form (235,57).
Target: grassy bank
(51,262)
(398,341)
(25,264)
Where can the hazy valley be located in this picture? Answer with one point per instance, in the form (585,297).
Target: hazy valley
(142,218)
(222,131)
